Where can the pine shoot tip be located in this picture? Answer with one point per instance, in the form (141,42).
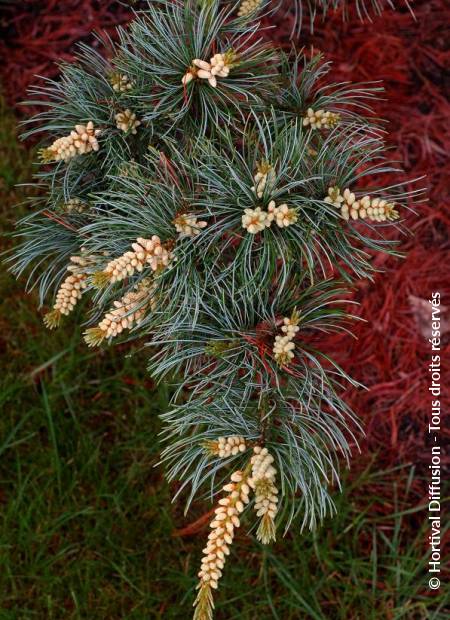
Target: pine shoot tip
(94,336)
(52,319)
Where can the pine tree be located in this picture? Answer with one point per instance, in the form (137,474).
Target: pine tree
(208,195)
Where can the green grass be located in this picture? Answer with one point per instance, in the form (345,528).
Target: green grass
(86,522)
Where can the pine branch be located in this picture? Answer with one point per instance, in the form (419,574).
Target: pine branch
(212,198)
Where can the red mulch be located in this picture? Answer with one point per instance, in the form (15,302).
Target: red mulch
(391,354)
(36,34)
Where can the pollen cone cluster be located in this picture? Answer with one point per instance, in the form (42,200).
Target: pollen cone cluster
(120,82)
(248,6)
(150,252)
(126,121)
(187,225)
(218,66)
(282,215)
(83,139)
(225,521)
(264,179)
(71,290)
(224,447)
(365,208)
(79,264)
(67,297)
(124,314)
(320,119)
(283,348)
(266,493)
(256,220)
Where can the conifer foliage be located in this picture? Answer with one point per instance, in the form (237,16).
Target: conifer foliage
(305,12)
(207,194)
